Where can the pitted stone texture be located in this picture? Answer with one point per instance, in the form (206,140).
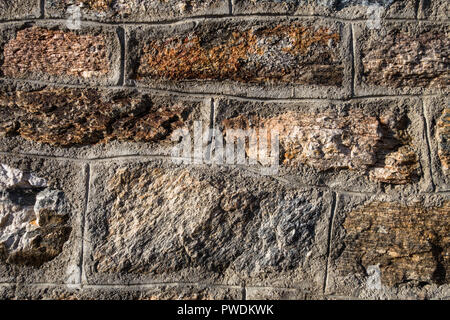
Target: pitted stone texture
(354,136)
(349,9)
(33,226)
(403,59)
(67,117)
(250,53)
(385,244)
(40,209)
(36,50)
(438,116)
(15,178)
(261,293)
(242,56)
(135,10)
(434,10)
(52,52)
(443,140)
(19,9)
(149,222)
(148,292)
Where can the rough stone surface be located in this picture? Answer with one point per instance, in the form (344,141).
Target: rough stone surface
(40,211)
(434,10)
(99,200)
(350,9)
(19,9)
(401,58)
(243,56)
(383,244)
(148,292)
(291,53)
(33,220)
(136,10)
(274,294)
(436,112)
(53,52)
(408,243)
(68,117)
(244,230)
(373,140)
(443,138)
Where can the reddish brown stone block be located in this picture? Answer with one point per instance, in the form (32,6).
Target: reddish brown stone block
(53,53)
(403,59)
(75,117)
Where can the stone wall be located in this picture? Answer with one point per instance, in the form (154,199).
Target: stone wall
(94,204)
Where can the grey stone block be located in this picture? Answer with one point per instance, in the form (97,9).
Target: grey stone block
(150,222)
(19,9)
(135,10)
(40,255)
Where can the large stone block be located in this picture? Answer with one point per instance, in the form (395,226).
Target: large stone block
(40,214)
(348,9)
(152,221)
(279,58)
(387,247)
(402,59)
(359,146)
(19,9)
(93,122)
(38,51)
(147,292)
(134,10)
(438,114)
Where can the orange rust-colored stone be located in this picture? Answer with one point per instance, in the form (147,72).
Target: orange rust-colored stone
(72,117)
(409,243)
(55,52)
(287,54)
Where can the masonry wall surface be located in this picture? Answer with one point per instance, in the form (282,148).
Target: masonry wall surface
(95,204)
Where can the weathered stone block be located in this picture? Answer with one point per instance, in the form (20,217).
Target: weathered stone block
(437,111)
(135,10)
(386,247)
(7,291)
(402,59)
(434,10)
(53,52)
(153,222)
(349,9)
(92,122)
(258,57)
(148,292)
(355,146)
(40,213)
(19,9)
